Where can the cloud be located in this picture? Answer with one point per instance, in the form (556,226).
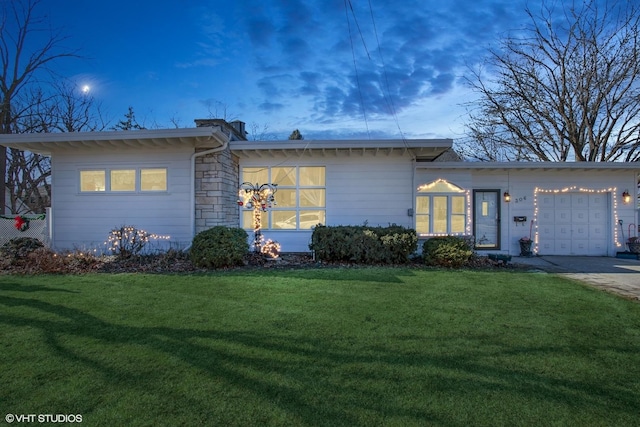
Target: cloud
(271,106)
(213,39)
(342,64)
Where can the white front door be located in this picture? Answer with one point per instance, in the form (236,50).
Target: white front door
(573,224)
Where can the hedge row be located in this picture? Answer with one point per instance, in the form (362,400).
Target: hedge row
(224,247)
(364,245)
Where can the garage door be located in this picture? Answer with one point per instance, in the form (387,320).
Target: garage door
(573,224)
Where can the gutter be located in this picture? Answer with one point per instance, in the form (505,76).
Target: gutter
(193,184)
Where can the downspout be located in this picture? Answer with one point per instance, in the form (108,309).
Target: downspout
(193,182)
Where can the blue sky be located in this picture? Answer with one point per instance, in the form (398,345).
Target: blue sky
(286,64)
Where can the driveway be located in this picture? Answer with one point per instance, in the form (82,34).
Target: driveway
(617,275)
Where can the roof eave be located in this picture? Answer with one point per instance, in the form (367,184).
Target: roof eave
(47,143)
(426,149)
(532,165)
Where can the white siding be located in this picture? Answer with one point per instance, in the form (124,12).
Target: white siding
(372,188)
(379,190)
(84,220)
(597,231)
(599,235)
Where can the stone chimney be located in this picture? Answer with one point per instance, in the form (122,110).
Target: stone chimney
(239,127)
(216,181)
(236,127)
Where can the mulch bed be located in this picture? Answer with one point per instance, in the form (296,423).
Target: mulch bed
(44,261)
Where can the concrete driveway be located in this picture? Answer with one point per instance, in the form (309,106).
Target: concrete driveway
(617,275)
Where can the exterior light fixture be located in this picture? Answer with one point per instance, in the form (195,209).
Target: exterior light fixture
(507,196)
(626,197)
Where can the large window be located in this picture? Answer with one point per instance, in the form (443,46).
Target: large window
(300,199)
(123,180)
(441,209)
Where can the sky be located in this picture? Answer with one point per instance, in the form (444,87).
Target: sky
(334,69)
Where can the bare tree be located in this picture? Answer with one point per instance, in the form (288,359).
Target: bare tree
(73,110)
(567,88)
(260,133)
(218,110)
(64,110)
(29,179)
(22,66)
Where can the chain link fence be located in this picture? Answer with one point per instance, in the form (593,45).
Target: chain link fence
(12,228)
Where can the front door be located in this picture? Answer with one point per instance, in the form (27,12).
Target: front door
(486,218)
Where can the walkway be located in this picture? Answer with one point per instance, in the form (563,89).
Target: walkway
(617,275)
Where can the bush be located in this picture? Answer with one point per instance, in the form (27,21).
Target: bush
(18,248)
(219,247)
(362,244)
(127,241)
(447,251)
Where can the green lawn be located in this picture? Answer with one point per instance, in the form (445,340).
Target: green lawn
(352,347)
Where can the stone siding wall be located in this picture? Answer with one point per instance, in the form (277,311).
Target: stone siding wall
(216,190)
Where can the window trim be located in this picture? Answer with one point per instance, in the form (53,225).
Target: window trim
(450,214)
(137,184)
(455,191)
(296,210)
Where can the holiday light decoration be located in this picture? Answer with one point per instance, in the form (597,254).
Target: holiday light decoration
(129,240)
(611,190)
(444,186)
(271,249)
(440,184)
(259,198)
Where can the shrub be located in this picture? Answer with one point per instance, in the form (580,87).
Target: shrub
(400,245)
(18,248)
(127,241)
(447,251)
(219,247)
(362,244)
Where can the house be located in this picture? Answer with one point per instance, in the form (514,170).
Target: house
(178,182)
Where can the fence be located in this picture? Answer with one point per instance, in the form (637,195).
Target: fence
(12,228)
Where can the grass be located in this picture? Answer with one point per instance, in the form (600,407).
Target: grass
(333,347)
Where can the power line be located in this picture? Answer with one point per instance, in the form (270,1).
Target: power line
(355,19)
(355,66)
(386,85)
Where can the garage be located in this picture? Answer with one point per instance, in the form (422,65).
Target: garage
(574,223)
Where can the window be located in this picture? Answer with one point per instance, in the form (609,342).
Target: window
(92,180)
(123,180)
(153,179)
(300,199)
(441,209)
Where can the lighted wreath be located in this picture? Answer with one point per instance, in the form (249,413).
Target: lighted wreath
(21,223)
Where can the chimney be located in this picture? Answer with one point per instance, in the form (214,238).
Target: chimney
(239,127)
(236,127)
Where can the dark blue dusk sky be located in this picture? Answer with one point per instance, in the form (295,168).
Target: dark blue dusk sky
(286,64)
